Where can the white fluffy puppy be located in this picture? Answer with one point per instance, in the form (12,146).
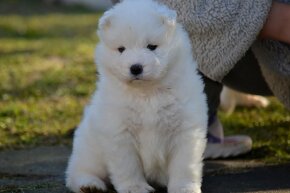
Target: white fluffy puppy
(147,121)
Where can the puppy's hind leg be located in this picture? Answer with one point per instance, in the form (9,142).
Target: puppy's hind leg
(86,169)
(185,166)
(125,166)
(85,173)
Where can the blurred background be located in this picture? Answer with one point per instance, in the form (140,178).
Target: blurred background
(47,75)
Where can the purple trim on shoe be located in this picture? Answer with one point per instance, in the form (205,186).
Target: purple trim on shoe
(213,139)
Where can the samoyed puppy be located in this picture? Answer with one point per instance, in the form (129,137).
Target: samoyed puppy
(147,120)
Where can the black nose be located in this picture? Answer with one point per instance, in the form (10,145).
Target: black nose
(136,69)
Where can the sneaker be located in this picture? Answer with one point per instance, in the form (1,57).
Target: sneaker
(219,146)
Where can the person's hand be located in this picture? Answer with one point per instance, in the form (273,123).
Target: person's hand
(277,26)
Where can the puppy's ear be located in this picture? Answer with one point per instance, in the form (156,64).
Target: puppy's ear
(168,16)
(105,21)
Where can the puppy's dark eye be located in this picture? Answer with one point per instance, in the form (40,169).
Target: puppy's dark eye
(121,49)
(152,47)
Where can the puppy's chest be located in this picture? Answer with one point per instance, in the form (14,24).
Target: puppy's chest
(161,115)
(153,124)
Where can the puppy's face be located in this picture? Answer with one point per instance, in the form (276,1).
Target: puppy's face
(136,41)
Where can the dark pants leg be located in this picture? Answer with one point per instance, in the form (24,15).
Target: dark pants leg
(212,90)
(246,77)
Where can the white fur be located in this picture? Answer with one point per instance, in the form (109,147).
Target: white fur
(146,128)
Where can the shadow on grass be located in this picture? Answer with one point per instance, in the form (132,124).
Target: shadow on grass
(56,31)
(38,139)
(46,88)
(37,7)
(16,52)
(25,19)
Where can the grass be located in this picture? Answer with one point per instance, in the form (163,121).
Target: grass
(47,71)
(269,129)
(48,74)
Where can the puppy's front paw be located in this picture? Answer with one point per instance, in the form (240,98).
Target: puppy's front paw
(86,184)
(138,188)
(190,188)
(92,189)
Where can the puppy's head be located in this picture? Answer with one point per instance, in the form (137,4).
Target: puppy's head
(136,41)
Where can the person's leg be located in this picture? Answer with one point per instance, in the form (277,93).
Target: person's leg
(212,90)
(246,77)
(217,144)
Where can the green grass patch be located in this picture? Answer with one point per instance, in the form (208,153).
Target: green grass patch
(269,129)
(47,71)
(47,75)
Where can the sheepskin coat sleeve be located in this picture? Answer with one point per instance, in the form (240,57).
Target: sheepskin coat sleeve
(221,31)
